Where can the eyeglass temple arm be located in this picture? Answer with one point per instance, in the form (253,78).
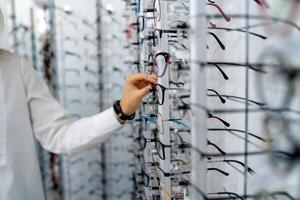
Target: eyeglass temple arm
(218,40)
(220,97)
(218,170)
(220,10)
(218,148)
(218,118)
(250,170)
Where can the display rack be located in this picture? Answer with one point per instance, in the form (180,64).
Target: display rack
(198,95)
(224,63)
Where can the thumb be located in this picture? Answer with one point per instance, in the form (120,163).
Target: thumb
(143,92)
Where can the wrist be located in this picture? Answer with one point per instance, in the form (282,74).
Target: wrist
(124,108)
(123,116)
(119,119)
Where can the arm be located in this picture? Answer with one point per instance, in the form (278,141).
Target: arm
(52,125)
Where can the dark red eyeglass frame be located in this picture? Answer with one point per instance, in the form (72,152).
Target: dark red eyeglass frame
(154,68)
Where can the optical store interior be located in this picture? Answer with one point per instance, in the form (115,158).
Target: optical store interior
(150,100)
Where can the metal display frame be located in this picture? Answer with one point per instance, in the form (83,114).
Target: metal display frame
(164,109)
(102,148)
(33,39)
(198,95)
(198,83)
(14,26)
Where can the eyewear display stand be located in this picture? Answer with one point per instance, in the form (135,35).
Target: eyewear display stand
(165,108)
(14,25)
(55,83)
(198,96)
(102,147)
(33,39)
(211,129)
(53,47)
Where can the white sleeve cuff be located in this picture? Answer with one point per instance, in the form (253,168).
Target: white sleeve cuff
(88,132)
(106,122)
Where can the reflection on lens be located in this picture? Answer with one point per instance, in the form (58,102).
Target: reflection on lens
(157,10)
(160,149)
(281,88)
(159,93)
(160,123)
(161,64)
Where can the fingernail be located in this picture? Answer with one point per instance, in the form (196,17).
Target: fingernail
(153,76)
(147,76)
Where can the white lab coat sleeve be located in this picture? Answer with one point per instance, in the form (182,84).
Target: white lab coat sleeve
(53,127)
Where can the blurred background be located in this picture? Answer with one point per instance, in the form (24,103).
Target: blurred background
(224,122)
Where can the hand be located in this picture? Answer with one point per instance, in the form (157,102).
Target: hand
(137,86)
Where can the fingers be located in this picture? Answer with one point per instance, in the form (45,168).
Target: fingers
(143,77)
(152,78)
(145,91)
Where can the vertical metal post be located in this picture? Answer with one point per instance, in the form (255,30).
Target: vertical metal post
(14,26)
(198,94)
(247,52)
(99,50)
(34,63)
(100,83)
(55,81)
(52,19)
(164,110)
(33,39)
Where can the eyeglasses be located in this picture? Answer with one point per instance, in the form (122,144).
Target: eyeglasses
(211,116)
(164,59)
(232,64)
(73,54)
(165,174)
(272,19)
(227,64)
(91,71)
(209,156)
(262,3)
(232,195)
(146,178)
(276,194)
(239,131)
(282,132)
(217,147)
(159,93)
(159,146)
(238,30)
(231,131)
(283,73)
(209,113)
(218,40)
(185,182)
(249,170)
(141,23)
(291,9)
(160,62)
(88,38)
(233,98)
(157,34)
(218,170)
(209,143)
(157,10)
(227,19)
